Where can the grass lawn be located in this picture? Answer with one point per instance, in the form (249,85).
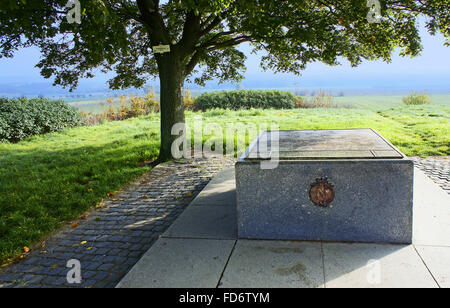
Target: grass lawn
(48,180)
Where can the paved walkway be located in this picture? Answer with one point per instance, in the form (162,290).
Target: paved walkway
(201,250)
(112,239)
(438,169)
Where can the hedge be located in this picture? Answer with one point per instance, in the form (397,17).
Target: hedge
(245,99)
(22,118)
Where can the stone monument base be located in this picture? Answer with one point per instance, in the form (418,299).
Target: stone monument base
(334,185)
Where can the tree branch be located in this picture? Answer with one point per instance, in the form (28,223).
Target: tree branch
(194,61)
(229,43)
(191,32)
(129,13)
(223,44)
(208,28)
(213,21)
(150,14)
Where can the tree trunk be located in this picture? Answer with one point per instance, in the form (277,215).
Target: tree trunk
(171,77)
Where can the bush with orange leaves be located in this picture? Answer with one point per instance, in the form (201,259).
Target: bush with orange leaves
(188,100)
(320,100)
(129,107)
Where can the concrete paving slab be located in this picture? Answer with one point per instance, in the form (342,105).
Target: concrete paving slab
(225,177)
(274,264)
(374,266)
(180,263)
(437,260)
(431,212)
(202,222)
(199,263)
(221,191)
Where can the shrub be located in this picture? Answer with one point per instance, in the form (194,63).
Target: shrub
(299,102)
(129,107)
(143,105)
(188,100)
(138,105)
(245,99)
(92,119)
(21,118)
(320,100)
(417,99)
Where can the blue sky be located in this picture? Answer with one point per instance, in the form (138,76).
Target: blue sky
(428,72)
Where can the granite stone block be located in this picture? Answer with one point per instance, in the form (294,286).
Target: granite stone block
(373,197)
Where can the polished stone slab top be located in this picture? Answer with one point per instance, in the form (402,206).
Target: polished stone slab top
(323,144)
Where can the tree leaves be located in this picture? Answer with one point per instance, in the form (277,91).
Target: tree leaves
(118,35)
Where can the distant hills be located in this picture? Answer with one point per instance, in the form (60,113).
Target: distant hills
(99,88)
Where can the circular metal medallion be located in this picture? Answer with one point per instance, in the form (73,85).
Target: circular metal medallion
(322,192)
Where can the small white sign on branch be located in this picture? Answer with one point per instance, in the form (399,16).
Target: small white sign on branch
(161,49)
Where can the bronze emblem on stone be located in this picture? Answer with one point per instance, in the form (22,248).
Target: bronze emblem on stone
(322,192)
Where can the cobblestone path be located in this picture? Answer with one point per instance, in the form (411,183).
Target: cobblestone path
(112,239)
(437,169)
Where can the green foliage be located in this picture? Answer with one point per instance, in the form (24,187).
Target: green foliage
(425,128)
(22,118)
(416,99)
(245,99)
(203,34)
